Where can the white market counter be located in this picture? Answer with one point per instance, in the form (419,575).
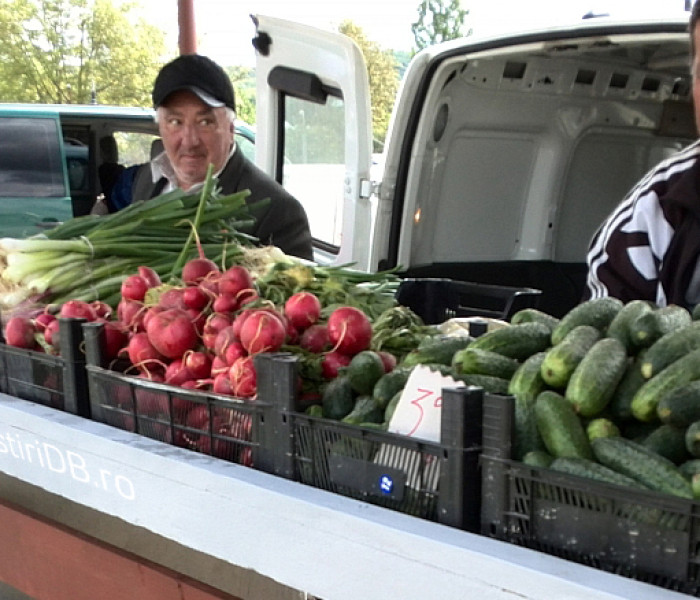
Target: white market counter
(254,535)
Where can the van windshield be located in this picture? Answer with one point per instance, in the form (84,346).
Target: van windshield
(30,158)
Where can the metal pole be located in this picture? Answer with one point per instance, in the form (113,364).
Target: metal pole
(185,15)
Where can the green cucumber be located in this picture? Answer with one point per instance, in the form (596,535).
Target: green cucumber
(484,362)
(593,382)
(489,383)
(646,466)
(669,348)
(692,439)
(598,312)
(669,441)
(680,372)
(560,427)
(388,384)
(582,467)
(561,360)
(515,341)
(537,458)
(525,385)
(650,326)
(338,398)
(681,406)
(620,406)
(364,370)
(365,410)
(534,315)
(690,467)
(620,326)
(601,427)
(436,349)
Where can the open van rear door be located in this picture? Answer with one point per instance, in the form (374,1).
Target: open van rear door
(314,131)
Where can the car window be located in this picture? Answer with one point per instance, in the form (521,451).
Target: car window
(245,139)
(30,158)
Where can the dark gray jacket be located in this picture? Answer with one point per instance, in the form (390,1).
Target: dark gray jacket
(282,222)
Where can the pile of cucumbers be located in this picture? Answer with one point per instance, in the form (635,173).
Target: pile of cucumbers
(612,392)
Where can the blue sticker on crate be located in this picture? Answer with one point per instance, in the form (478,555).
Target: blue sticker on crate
(386,484)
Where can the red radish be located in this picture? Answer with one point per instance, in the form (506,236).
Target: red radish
(235,280)
(152,278)
(172,332)
(131,313)
(223,339)
(213,325)
(315,338)
(246,456)
(134,287)
(115,338)
(293,334)
(198,269)
(349,330)
(210,286)
(243,377)
(149,313)
(198,364)
(388,360)
(195,297)
(262,331)
(303,309)
(198,319)
(225,303)
(150,403)
(218,366)
(176,373)
(102,309)
(77,309)
(140,350)
(247,296)
(172,298)
(51,333)
(238,321)
(42,320)
(222,384)
(332,362)
(20,332)
(233,352)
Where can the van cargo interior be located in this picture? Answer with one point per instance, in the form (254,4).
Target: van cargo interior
(522,154)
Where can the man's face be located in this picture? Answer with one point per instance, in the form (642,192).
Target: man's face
(195,135)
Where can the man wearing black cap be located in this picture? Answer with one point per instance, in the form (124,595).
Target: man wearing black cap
(195,110)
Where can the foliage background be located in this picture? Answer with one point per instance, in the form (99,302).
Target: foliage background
(83,51)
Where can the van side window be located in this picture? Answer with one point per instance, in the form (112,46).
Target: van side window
(30,158)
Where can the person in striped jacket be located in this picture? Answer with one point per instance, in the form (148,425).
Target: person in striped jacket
(649,247)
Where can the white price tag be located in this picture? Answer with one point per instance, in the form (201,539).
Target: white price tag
(419,409)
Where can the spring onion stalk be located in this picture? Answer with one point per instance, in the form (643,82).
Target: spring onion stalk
(88,257)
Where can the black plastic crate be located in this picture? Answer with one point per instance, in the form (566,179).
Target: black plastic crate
(434,481)
(435,300)
(647,536)
(229,428)
(57,381)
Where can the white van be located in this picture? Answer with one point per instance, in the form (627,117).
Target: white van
(503,155)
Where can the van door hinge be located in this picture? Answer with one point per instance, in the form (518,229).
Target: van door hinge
(366,188)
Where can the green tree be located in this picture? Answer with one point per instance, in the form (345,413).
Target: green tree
(243,80)
(382,70)
(76,51)
(438,21)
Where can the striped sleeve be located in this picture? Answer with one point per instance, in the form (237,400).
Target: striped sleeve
(628,249)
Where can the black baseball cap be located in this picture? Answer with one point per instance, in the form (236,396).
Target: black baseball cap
(196,73)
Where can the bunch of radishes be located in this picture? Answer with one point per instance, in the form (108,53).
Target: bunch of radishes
(40,331)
